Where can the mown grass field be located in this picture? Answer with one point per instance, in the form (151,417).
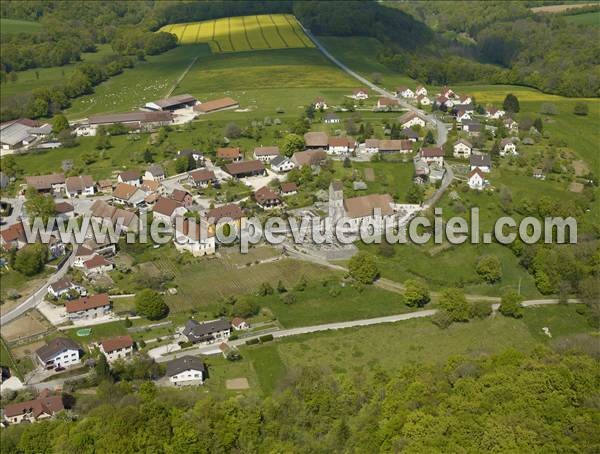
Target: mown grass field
(19,26)
(592,18)
(387,347)
(263,82)
(243,33)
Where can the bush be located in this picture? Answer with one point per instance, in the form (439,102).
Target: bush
(266,338)
(288,298)
(489,268)
(363,268)
(441,319)
(252,341)
(481,309)
(454,303)
(416,293)
(510,305)
(265,289)
(151,304)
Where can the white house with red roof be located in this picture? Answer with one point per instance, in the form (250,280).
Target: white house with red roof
(476,179)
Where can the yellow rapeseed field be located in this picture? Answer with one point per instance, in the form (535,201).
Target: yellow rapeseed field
(243,33)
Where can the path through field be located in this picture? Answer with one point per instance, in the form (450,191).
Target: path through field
(181,77)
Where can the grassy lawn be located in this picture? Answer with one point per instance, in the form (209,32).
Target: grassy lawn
(360,54)
(47,77)
(268,365)
(12,280)
(393,177)
(447,265)
(147,81)
(19,26)
(220,370)
(301,75)
(387,347)
(332,303)
(591,18)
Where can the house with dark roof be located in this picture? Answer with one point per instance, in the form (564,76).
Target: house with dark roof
(62,287)
(46,183)
(432,155)
(186,371)
(289,188)
(131,177)
(182,197)
(97,265)
(207,332)
(267,199)
(282,164)
(309,158)
(172,103)
(155,173)
(245,169)
(410,134)
(58,352)
(202,178)
(481,160)
(88,307)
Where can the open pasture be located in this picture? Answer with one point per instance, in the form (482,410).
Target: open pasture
(19,26)
(243,33)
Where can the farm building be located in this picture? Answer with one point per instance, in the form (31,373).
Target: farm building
(231,154)
(20,133)
(46,183)
(315,140)
(216,105)
(266,154)
(245,169)
(172,103)
(136,121)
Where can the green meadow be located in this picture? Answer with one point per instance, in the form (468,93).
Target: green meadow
(591,18)
(18,26)
(387,347)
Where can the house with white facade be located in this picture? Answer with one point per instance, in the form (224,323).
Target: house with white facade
(476,179)
(131,177)
(197,238)
(360,94)
(494,114)
(186,371)
(45,406)
(167,209)
(58,352)
(331,118)
(62,287)
(88,307)
(507,147)
(116,348)
(371,146)
(421,90)
(155,173)
(282,164)
(340,145)
(423,100)
(433,155)
(405,92)
(411,119)
(462,115)
(82,185)
(462,149)
(320,103)
(266,154)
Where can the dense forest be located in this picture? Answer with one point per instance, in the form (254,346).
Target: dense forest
(512,402)
(542,51)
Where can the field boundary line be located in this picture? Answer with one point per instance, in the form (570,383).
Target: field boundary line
(198,32)
(181,77)
(183,32)
(278,32)
(262,33)
(287,19)
(214,24)
(246,33)
(233,49)
(12,360)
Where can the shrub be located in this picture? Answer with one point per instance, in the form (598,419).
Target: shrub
(481,309)
(288,298)
(363,268)
(510,305)
(252,341)
(266,338)
(489,268)
(441,319)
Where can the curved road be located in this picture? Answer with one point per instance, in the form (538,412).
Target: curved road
(441,127)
